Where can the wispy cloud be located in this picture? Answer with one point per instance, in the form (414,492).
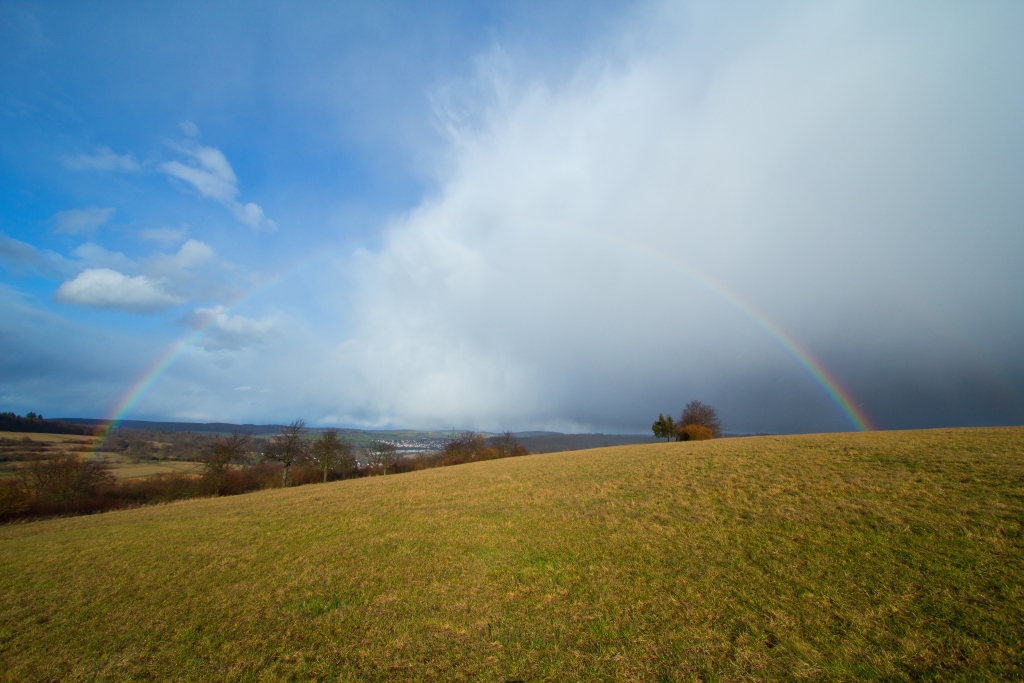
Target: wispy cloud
(103,159)
(210,173)
(191,255)
(21,257)
(106,288)
(164,235)
(94,256)
(80,221)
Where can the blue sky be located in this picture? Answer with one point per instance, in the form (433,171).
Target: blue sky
(510,216)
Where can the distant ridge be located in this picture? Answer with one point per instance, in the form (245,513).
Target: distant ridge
(202,427)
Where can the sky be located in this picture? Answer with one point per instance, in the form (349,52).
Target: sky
(563,216)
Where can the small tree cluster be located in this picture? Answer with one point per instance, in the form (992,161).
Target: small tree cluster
(698,422)
(50,483)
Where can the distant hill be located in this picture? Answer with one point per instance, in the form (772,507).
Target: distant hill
(201,427)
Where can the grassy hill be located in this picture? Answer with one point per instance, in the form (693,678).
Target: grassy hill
(896,556)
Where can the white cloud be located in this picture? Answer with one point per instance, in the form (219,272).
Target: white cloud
(225,331)
(104,159)
(106,288)
(212,175)
(79,221)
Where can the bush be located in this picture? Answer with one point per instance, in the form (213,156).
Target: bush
(13,498)
(694,432)
(60,478)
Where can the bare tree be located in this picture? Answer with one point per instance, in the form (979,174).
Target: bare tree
(380,455)
(224,452)
(330,453)
(288,447)
(697,413)
(465,446)
(508,445)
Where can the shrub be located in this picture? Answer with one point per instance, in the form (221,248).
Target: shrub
(60,478)
(694,432)
(13,498)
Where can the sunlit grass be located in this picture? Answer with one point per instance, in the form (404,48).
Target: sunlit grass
(891,556)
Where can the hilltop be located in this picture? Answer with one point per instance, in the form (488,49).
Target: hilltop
(826,557)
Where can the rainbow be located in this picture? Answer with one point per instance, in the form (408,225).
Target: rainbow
(840,396)
(164,362)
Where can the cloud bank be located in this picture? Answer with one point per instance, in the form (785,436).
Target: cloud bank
(844,172)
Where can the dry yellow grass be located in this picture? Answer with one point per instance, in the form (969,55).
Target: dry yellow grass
(131,470)
(893,556)
(73,441)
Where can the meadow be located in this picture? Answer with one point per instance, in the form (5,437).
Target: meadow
(841,557)
(16,447)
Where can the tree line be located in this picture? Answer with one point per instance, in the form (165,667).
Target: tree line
(698,422)
(31,422)
(61,483)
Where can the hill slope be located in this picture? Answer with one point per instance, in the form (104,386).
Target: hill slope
(834,557)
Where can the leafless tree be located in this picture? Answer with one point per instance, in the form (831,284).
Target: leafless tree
(380,455)
(465,446)
(224,452)
(697,413)
(508,445)
(331,453)
(288,447)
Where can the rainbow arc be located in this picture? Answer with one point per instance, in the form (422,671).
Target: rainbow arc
(833,388)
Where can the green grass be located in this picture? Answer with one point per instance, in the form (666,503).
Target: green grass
(884,556)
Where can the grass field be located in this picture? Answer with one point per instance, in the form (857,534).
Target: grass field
(882,556)
(121,466)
